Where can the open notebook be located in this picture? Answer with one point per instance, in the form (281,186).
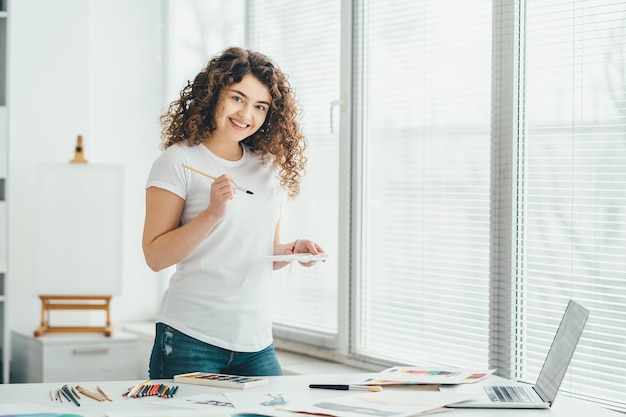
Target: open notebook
(543,393)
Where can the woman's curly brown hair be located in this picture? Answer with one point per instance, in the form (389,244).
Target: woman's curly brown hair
(191,118)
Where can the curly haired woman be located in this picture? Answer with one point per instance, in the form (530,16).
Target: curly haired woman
(237,121)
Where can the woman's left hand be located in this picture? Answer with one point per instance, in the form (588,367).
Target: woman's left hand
(307,246)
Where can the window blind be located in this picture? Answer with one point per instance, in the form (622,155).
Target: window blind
(303,37)
(572,196)
(433,267)
(422,111)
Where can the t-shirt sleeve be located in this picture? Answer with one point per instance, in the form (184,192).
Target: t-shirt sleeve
(167,172)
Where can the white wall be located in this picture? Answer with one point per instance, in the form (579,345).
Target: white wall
(90,67)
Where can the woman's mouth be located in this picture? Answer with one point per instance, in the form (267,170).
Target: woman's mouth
(239,124)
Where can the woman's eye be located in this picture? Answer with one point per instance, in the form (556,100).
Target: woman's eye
(237,99)
(261,107)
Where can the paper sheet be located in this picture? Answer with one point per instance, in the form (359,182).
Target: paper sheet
(397,404)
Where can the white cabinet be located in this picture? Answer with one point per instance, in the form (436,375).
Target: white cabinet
(72,358)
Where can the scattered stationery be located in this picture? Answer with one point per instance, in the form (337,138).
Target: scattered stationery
(148,389)
(265,402)
(400,375)
(106,397)
(220,380)
(93,395)
(209,401)
(301,257)
(65,392)
(397,404)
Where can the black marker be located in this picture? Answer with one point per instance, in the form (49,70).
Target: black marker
(345,387)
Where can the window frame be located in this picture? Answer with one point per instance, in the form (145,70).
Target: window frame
(507,167)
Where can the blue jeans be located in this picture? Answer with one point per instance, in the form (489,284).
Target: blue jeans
(176,353)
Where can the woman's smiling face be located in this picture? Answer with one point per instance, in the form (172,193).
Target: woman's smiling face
(242,109)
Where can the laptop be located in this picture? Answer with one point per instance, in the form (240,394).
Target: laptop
(543,393)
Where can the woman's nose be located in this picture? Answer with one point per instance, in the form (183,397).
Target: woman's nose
(246,111)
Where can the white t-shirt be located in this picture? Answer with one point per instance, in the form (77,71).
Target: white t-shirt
(221,293)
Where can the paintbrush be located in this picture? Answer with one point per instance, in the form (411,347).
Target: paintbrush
(214,178)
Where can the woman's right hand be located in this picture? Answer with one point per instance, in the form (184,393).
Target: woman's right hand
(222,190)
(165,242)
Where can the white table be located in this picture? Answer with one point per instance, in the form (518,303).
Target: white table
(36,396)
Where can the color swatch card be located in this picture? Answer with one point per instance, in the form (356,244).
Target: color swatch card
(220,380)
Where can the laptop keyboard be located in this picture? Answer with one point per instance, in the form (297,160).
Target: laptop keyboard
(508,394)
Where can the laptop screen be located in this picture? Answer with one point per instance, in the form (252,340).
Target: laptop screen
(561,351)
